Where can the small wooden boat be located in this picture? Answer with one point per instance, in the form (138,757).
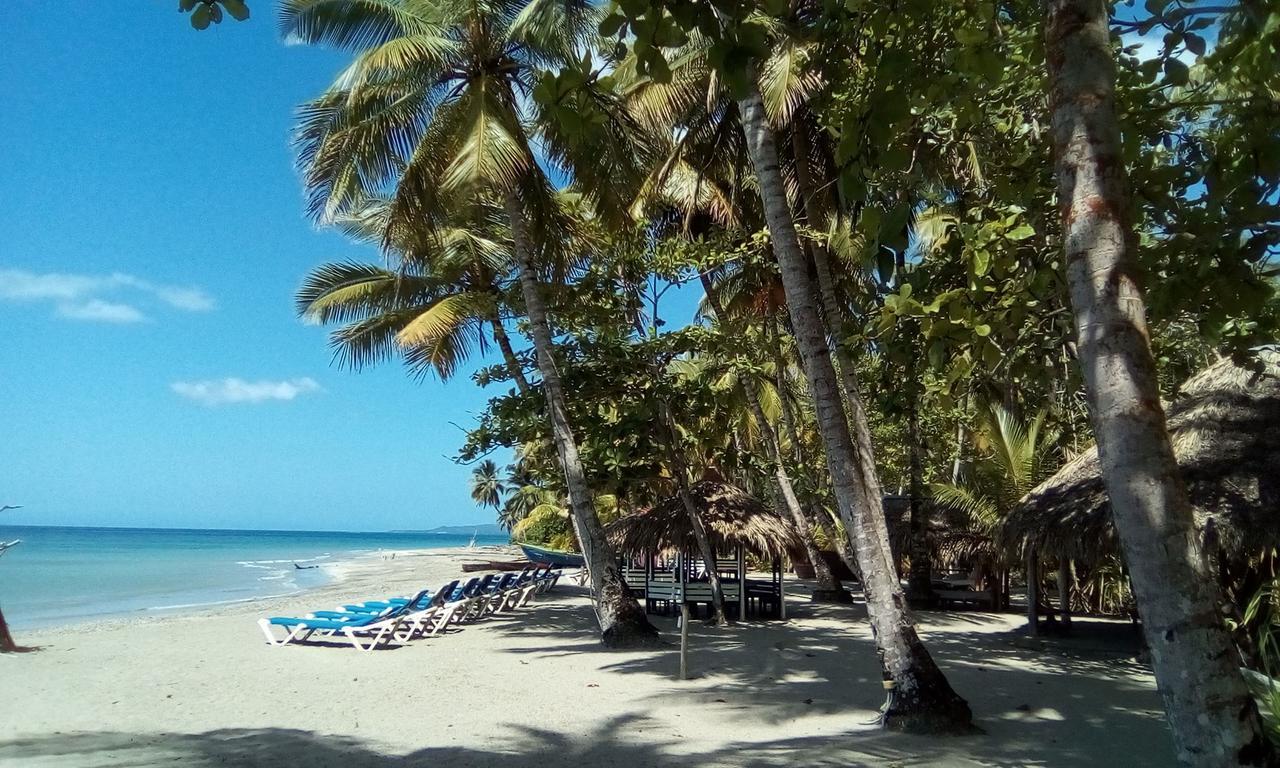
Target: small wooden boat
(552,556)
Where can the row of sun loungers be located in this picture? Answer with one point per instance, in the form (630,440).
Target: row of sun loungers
(375,623)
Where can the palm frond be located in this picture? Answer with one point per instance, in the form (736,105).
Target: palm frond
(788,80)
(345,291)
(491,154)
(973,504)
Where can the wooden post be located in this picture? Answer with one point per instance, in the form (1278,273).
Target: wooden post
(1033,592)
(782,592)
(1064,591)
(742,584)
(684,638)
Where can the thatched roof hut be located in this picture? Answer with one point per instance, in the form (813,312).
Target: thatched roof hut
(732,518)
(951,543)
(1225,427)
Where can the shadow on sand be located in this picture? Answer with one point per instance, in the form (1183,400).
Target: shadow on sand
(767,678)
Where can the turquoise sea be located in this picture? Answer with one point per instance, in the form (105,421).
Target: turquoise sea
(62,576)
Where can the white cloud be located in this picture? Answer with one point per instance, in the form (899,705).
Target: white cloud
(100,311)
(235,390)
(84,297)
(190,299)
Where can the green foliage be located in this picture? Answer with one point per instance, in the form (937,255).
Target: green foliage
(206,12)
(547,525)
(915,153)
(487,487)
(1260,623)
(1012,457)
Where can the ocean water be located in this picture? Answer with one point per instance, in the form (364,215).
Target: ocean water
(59,576)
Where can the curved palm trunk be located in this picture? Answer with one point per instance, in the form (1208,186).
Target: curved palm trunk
(1213,718)
(789,422)
(622,621)
(508,354)
(832,317)
(828,587)
(920,578)
(681,475)
(920,698)
(7,643)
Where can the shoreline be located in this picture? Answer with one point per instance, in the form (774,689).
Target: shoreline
(532,688)
(354,571)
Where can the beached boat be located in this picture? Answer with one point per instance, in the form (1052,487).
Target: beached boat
(552,556)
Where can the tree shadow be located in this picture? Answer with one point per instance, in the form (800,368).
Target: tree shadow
(823,662)
(622,741)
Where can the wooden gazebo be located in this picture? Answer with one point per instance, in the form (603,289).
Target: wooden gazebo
(1225,427)
(661,561)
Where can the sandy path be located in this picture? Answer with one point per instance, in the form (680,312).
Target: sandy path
(533,689)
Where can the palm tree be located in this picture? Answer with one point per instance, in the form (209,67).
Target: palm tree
(1011,457)
(921,698)
(1213,718)
(433,308)
(487,488)
(698,105)
(434,110)
(699,174)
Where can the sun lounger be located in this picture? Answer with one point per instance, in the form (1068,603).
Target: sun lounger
(551,578)
(392,602)
(537,582)
(365,631)
(457,605)
(492,597)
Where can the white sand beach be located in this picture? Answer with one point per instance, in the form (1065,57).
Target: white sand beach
(533,688)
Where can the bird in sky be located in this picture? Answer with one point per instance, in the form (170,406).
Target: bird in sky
(8,507)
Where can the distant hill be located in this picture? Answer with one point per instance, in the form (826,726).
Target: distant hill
(480,529)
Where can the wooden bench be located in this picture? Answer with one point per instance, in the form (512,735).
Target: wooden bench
(980,599)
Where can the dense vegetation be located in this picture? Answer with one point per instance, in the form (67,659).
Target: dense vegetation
(896,218)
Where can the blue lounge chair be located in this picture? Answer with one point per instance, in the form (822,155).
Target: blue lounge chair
(365,631)
(496,596)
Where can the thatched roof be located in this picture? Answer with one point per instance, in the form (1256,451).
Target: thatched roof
(731,516)
(951,544)
(1225,427)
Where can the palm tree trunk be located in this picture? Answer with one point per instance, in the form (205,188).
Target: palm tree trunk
(509,355)
(920,698)
(622,621)
(784,399)
(833,316)
(828,587)
(680,474)
(1213,718)
(839,538)
(920,579)
(7,645)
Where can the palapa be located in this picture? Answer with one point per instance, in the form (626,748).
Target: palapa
(731,516)
(1225,426)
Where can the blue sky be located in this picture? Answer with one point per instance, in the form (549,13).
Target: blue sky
(152,371)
